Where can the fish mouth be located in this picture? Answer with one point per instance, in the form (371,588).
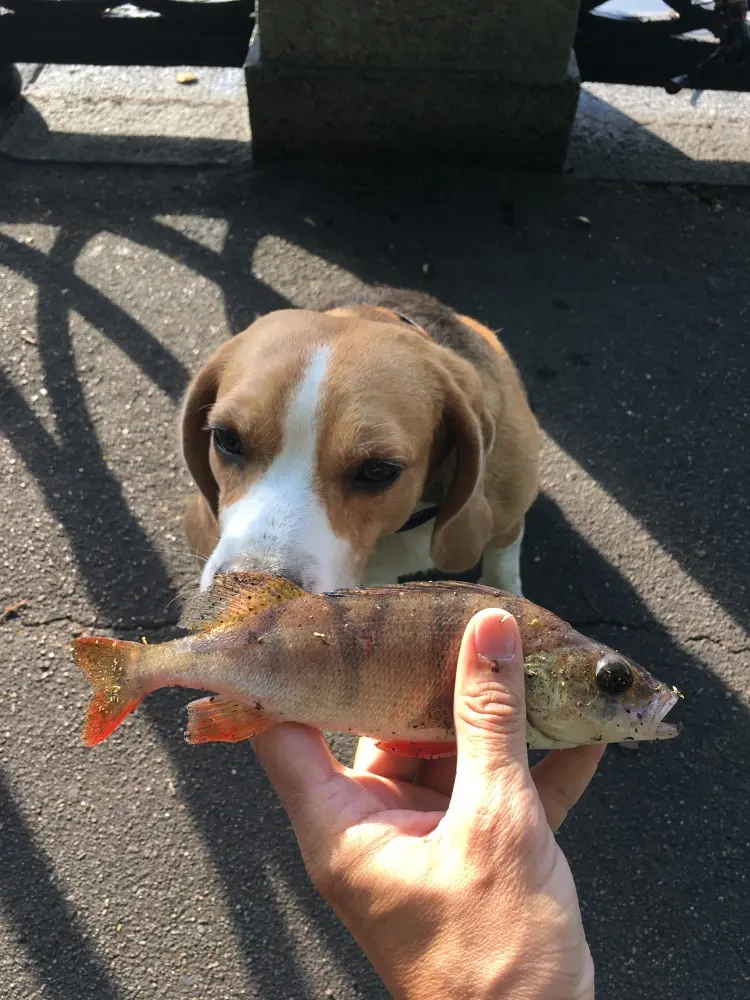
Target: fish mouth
(664,730)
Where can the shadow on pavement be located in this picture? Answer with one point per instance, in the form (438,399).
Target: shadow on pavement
(78,487)
(42,920)
(586,308)
(659,845)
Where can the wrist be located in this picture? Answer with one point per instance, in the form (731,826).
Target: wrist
(440,973)
(442,976)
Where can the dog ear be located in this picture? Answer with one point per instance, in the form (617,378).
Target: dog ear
(464,521)
(200,526)
(196,438)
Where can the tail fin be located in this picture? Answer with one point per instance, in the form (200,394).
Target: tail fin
(108,664)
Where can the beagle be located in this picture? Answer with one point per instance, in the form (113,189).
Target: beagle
(377,437)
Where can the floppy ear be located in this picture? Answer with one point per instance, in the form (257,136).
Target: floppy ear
(196,439)
(464,522)
(200,526)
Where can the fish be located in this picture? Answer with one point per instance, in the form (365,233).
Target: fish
(378,662)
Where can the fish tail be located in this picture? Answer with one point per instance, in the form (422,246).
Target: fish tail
(109,665)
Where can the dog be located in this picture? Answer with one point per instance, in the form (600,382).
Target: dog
(380,436)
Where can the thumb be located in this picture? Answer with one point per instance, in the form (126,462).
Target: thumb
(490,718)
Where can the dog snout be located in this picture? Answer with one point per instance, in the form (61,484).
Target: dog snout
(250,563)
(293,576)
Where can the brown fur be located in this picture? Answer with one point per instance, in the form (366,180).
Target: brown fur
(442,396)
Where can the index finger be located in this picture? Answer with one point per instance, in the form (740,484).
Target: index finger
(436,775)
(383,763)
(562,777)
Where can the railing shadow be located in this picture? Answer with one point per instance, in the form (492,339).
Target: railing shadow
(658,840)
(42,921)
(122,570)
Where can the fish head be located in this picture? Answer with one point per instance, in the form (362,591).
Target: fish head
(588,693)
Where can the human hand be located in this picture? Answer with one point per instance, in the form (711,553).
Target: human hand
(453,890)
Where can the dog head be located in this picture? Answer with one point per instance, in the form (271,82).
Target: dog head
(313,435)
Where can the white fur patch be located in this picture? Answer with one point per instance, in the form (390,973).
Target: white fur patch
(280,525)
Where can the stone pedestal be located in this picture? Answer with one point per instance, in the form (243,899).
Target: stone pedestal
(491,80)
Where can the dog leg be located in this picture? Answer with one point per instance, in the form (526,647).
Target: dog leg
(501,568)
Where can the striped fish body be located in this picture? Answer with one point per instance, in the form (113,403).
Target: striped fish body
(377,662)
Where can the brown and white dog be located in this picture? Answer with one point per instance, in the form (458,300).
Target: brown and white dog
(378,437)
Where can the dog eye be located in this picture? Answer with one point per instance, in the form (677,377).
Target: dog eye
(376,475)
(227,442)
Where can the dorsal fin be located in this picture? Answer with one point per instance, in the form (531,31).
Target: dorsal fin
(232,597)
(389,589)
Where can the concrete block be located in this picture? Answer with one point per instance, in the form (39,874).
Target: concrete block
(397,114)
(526,40)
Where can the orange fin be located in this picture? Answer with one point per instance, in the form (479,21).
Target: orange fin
(221,720)
(108,664)
(425,751)
(232,597)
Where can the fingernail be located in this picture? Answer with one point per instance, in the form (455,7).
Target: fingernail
(496,636)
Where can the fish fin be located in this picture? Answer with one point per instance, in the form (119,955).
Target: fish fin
(389,589)
(221,720)
(425,751)
(233,597)
(108,665)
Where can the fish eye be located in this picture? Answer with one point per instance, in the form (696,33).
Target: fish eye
(228,443)
(376,474)
(613,674)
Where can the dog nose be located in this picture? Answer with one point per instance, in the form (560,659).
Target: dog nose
(262,564)
(292,576)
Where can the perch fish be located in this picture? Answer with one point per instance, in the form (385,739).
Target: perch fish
(377,662)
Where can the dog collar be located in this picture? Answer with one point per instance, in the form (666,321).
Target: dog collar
(403,318)
(419,517)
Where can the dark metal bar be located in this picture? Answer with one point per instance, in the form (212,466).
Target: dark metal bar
(94,8)
(10,84)
(613,49)
(85,31)
(661,52)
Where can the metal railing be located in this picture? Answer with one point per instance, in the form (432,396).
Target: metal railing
(108,33)
(701,45)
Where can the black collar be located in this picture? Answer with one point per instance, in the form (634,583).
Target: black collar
(404,318)
(409,321)
(420,517)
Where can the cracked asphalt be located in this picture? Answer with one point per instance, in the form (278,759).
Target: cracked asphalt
(148,869)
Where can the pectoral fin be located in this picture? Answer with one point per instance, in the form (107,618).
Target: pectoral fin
(221,720)
(425,751)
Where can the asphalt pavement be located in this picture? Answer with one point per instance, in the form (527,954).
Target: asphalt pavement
(146,868)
